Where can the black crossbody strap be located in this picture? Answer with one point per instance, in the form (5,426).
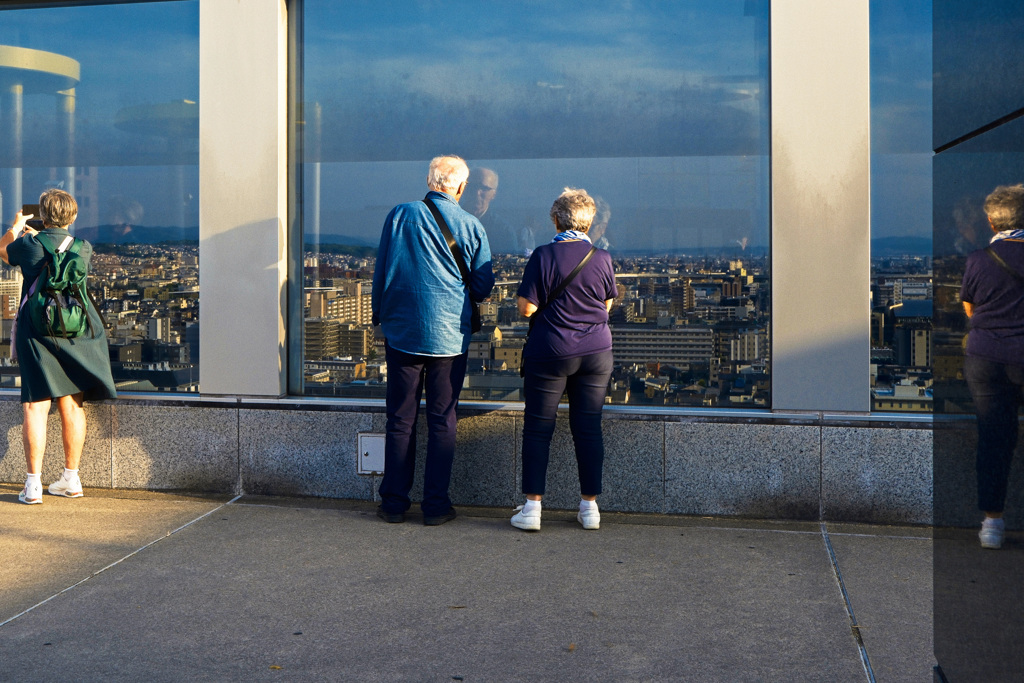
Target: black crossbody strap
(460,260)
(563,284)
(1004,265)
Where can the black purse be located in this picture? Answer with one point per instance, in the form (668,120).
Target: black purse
(475,324)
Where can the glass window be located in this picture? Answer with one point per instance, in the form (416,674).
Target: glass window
(901,205)
(658,108)
(102,101)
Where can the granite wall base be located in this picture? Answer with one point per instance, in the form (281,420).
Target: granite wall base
(771,467)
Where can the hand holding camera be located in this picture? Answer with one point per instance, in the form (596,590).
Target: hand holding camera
(26,221)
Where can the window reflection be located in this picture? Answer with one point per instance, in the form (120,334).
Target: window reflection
(117,126)
(901,206)
(658,108)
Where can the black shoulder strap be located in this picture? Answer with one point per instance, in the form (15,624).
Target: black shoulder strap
(563,284)
(1004,265)
(460,260)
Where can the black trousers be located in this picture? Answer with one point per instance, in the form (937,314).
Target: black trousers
(407,375)
(996,390)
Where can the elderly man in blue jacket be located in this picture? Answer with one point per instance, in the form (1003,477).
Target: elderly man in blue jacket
(424,307)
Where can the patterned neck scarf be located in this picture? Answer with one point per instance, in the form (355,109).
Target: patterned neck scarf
(1007,235)
(570,235)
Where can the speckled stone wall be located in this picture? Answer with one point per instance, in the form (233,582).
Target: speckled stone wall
(95,467)
(763,467)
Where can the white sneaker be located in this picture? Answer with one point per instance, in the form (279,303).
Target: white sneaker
(31,496)
(526,521)
(991,534)
(68,489)
(590,519)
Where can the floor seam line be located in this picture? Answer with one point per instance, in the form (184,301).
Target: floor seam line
(117,562)
(854,627)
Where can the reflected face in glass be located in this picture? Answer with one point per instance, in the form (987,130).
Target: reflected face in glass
(481,188)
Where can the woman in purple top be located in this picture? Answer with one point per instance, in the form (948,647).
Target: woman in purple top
(993,298)
(569,350)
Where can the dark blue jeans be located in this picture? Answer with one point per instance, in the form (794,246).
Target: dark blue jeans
(407,374)
(585,380)
(996,390)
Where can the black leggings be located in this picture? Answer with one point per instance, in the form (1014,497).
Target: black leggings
(585,380)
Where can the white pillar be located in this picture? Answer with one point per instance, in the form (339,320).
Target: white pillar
(243,196)
(821,231)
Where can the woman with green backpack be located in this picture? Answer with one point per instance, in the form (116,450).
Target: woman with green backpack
(58,339)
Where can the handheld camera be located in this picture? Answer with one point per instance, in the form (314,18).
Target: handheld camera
(36,223)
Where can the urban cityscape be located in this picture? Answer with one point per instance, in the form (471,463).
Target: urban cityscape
(687,330)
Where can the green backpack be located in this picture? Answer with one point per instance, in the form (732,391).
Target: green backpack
(58,302)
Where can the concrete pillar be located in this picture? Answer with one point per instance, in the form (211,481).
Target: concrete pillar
(243,208)
(821,192)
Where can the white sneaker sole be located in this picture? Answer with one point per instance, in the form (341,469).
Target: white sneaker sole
(29,501)
(991,544)
(65,492)
(526,523)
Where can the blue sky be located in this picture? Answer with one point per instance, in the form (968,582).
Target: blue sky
(548,93)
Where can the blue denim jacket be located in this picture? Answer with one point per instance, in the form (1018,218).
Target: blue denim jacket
(418,296)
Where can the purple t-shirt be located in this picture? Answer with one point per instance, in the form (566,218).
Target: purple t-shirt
(997,324)
(576,323)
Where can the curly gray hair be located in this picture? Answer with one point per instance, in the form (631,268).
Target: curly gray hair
(1005,207)
(573,210)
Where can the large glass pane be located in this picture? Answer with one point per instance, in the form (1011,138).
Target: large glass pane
(979,143)
(901,206)
(659,108)
(102,101)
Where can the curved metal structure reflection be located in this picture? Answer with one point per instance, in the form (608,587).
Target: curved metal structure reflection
(24,71)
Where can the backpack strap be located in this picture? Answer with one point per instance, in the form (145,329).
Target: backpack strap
(69,243)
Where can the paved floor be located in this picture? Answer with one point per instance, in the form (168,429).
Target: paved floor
(132,586)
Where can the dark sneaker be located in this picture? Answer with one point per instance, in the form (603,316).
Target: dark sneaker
(390,517)
(438,520)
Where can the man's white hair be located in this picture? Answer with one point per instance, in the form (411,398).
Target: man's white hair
(447,173)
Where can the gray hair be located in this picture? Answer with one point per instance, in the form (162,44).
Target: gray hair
(447,173)
(573,210)
(1005,207)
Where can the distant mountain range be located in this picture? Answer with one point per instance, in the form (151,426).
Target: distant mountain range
(137,234)
(349,239)
(894,246)
(141,234)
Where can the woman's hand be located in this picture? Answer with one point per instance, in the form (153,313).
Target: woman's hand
(14,233)
(21,225)
(526,307)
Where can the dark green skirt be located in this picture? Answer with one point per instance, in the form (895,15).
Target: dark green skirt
(52,367)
